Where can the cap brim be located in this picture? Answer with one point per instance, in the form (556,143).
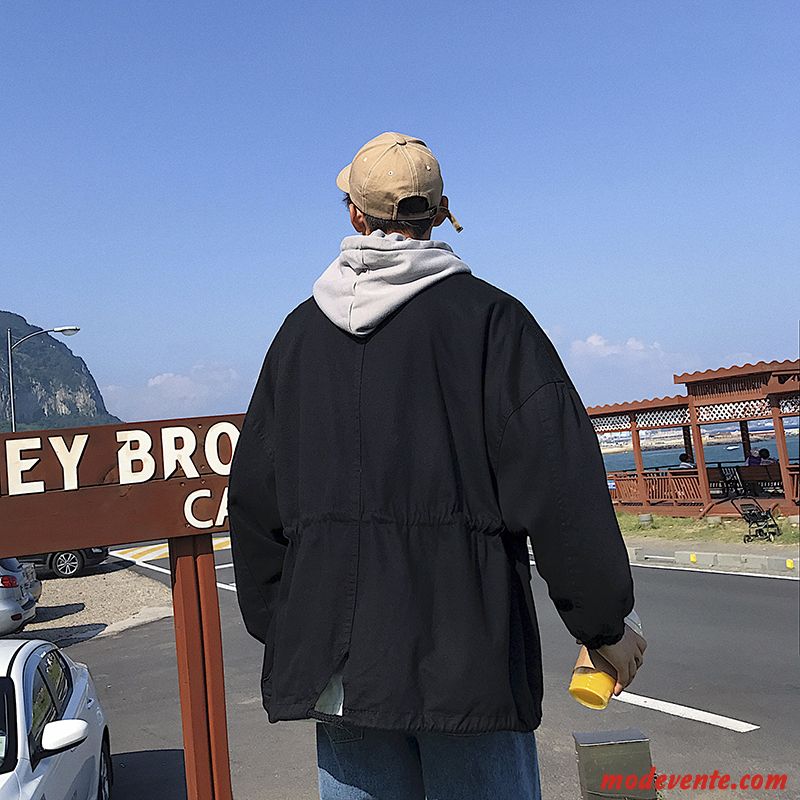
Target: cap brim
(343,179)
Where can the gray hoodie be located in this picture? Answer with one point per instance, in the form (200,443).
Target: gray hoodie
(374,275)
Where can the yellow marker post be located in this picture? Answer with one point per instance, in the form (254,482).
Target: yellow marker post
(693,558)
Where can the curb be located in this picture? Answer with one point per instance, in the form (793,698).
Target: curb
(735,562)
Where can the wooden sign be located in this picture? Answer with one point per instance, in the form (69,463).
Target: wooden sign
(78,487)
(115,484)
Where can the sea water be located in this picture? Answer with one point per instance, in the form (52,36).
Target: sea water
(714,453)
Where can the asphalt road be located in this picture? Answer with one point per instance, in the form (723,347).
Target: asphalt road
(725,644)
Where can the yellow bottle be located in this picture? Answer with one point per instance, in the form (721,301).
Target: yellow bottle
(593,678)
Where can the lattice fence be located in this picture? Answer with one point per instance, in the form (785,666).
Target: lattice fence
(790,404)
(611,422)
(663,418)
(744,409)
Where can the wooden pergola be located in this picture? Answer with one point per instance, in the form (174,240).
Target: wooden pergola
(766,390)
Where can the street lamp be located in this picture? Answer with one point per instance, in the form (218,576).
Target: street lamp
(64,330)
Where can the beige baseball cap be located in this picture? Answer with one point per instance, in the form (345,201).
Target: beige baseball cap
(390,168)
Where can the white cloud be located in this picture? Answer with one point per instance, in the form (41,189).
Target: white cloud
(606,371)
(204,389)
(597,346)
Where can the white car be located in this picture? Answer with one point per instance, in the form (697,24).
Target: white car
(17,603)
(54,741)
(30,582)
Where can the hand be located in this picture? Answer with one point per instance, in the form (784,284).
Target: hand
(626,656)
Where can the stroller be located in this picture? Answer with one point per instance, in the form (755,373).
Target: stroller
(760,522)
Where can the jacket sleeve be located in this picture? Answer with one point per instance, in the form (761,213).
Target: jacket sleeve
(552,486)
(257,539)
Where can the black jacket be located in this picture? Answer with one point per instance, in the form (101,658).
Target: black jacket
(381,496)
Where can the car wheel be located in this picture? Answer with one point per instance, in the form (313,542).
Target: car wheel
(67,563)
(105,780)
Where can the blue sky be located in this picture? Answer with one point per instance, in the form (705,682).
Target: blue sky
(629,170)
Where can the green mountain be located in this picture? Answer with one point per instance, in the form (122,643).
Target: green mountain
(53,388)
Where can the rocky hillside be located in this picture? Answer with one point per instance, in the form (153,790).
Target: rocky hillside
(52,387)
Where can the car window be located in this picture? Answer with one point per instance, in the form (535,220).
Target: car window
(8,743)
(43,710)
(11,564)
(58,677)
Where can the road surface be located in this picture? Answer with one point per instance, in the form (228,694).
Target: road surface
(724,644)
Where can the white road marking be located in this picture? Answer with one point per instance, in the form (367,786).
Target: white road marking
(145,565)
(687,712)
(704,571)
(230,587)
(223,566)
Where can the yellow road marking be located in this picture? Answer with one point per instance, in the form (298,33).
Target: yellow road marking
(155,552)
(152,552)
(146,552)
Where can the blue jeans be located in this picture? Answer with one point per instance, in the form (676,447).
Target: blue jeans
(369,764)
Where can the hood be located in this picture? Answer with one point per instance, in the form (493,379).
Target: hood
(374,275)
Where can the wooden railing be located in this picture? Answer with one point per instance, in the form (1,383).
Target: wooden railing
(656,486)
(681,488)
(624,487)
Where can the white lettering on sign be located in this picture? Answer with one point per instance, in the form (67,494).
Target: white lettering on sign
(176,455)
(16,465)
(69,457)
(56,461)
(128,455)
(191,516)
(215,432)
(222,512)
(188,509)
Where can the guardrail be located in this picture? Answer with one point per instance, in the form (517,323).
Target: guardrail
(118,484)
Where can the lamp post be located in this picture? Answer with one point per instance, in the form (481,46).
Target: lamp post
(64,330)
